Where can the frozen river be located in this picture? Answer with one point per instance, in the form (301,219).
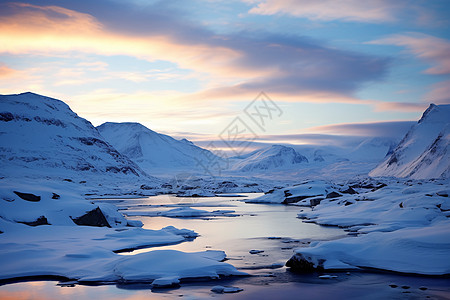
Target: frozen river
(273,230)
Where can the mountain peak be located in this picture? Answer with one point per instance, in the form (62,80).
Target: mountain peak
(423,152)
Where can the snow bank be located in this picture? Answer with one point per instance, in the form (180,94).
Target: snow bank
(317,189)
(183,212)
(400,226)
(39,236)
(420,250)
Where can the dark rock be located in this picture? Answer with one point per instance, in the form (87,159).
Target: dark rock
(83,181)
(393,286)
(68,180)
(350,191)
(39,221)
(333,195)
(405,287)
(227,184)
(250,184)
(92,218)
(423,288)
(287,193)
(28,197)
(382,185)
(269,192)
(6,116)
(165,186)
(401,205)
(298,263)
(442,194)
(297,198)
(146,187)
(315,201)
(55,196)
(347,203)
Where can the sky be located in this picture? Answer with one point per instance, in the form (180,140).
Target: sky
(195,68)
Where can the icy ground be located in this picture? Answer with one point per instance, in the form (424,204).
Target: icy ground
(39,237)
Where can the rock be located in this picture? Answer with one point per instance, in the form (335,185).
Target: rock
(393,286)
(350,191)
(296,199)
(92,218)
(423,288)
(327,276)
(164,282)
(146,187)
(42,220)
(298,263)
(315,201)
(28,197)
(55,196)
(255,251)
(333,195)
(225,289)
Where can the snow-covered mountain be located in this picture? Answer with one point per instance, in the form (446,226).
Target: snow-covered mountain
(373,149)
(154,151)
(42,137)
(424,151)
(274,157)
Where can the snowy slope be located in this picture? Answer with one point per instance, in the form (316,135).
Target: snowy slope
(274,157)
(43,137)
(373,149)
(153,151)
(423,152)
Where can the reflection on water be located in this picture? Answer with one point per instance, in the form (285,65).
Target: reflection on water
(271,228)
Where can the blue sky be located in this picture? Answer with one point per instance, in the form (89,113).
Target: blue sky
(193,66)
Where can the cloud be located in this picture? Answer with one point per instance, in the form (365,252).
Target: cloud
(6,71)
(393,129)
(400,106)
(243,63)
(440,93)
(374,11)
(431,49)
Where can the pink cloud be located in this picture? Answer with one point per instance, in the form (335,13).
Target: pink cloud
(400,106)
(435,51)
(373,11)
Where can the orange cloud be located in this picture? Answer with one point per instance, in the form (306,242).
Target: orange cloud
(48,29)
(6,71)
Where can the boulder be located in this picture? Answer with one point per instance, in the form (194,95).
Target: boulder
(28,197)
(94,217)
(298,263)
